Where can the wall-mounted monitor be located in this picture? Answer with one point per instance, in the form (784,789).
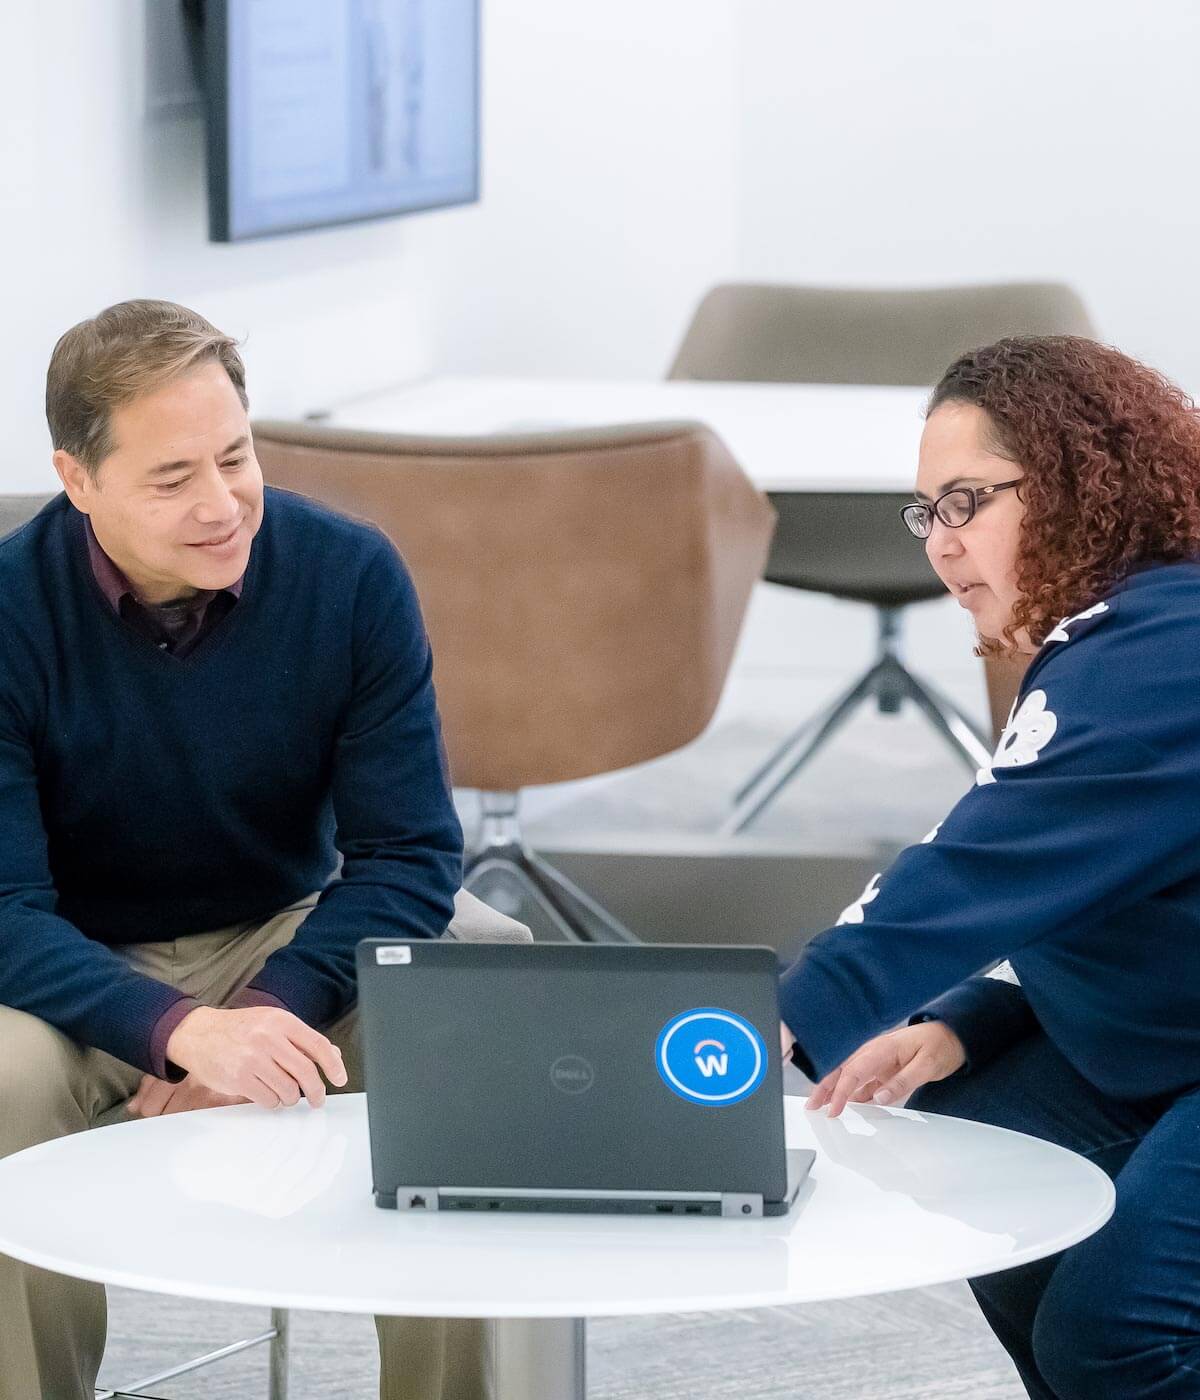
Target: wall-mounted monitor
(329,111)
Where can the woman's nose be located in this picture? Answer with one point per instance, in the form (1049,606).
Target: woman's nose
(942,541)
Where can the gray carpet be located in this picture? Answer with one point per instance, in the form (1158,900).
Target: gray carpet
(929,1344)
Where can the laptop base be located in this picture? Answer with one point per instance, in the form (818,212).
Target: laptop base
(731,1205)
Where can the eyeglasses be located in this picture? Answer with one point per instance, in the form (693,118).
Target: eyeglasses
(953,508)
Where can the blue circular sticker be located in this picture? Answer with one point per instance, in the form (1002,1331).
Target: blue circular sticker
(710,1056)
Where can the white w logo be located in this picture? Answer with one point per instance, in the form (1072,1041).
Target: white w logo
(708,1065)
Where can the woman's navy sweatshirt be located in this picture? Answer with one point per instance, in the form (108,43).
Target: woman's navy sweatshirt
(144,797)
(1076,856)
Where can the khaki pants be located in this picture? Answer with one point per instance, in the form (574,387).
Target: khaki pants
(52,1328)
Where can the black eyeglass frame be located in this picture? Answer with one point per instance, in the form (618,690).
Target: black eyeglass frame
(972,493)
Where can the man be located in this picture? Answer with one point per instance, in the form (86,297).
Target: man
(198,679)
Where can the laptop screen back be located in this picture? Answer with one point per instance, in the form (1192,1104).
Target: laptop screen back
(573,1067)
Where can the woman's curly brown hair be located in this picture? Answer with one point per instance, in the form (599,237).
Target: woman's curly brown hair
(1111,455)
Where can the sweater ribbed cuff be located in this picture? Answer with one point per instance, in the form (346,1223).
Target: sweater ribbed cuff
(250,995)
(986,1014)
(160,1066)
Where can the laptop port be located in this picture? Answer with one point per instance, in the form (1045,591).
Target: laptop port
(416,1203)
(693,1210)
(665,1210)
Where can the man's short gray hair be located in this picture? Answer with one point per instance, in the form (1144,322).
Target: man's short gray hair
(126,350)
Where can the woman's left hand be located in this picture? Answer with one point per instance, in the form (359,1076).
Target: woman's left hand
(891,1067)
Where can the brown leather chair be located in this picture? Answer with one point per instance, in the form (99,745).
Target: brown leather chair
(852,544)
(583,592)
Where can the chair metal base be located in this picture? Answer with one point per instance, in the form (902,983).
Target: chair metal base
(503,858)
(543,1357)
(277,1384)
(888,681)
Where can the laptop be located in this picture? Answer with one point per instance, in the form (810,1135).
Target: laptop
(575,1077)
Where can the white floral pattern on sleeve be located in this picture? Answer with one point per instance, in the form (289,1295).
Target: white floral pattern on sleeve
(1005,972)
(854,913)
(1025,735)
(1060,634)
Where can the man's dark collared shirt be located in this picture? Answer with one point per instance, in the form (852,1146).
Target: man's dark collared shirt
(177,627)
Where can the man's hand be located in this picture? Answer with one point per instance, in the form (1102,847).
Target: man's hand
(261,1053)
(157,1096)
(787,1042)
(891,1066)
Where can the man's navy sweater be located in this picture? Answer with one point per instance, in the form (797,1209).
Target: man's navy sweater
(145,797)
(1076,856)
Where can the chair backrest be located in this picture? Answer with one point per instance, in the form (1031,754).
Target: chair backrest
(769,333)
(583,590)
(851,544)
(16,510)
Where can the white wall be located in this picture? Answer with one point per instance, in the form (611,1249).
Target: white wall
(887,143)
(610,147)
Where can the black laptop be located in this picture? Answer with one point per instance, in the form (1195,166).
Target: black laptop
(575,1077)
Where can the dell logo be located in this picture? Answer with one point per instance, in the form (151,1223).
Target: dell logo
(708,1065)
(572,1074)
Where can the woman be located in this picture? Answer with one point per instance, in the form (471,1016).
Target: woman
(1058,494)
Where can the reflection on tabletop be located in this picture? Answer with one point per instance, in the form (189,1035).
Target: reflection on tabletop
(273,1173)
(892,1148)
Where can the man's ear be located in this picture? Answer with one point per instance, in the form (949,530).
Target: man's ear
(79,483)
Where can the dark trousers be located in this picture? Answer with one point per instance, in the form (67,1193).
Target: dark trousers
(1116,1317)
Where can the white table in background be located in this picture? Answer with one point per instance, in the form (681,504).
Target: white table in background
(248,1206)
(786,437)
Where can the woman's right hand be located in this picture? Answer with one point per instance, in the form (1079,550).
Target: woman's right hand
(891,1067)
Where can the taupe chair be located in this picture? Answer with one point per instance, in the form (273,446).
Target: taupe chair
(852,545)
(583,592)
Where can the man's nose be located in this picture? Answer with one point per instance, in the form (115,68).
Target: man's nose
(217,502)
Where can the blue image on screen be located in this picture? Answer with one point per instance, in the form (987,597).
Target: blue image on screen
(337,110)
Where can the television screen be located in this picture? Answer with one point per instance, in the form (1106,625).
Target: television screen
(327,111)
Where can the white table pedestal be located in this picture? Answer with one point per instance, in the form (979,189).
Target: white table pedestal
(543,1357)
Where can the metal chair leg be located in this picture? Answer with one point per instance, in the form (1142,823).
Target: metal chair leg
(577,916)
(276,1335)
(891,682)
(501,849)
(510,868)
(775,757)
(575,905)
(278,1378)
(951,724)
(792,760)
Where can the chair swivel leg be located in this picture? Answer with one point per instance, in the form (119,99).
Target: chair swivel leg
(951,724)
(501,851)
(800,748)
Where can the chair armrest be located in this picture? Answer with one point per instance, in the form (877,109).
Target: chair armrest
(477,922)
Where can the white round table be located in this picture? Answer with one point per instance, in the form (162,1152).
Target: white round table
(275,1208)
